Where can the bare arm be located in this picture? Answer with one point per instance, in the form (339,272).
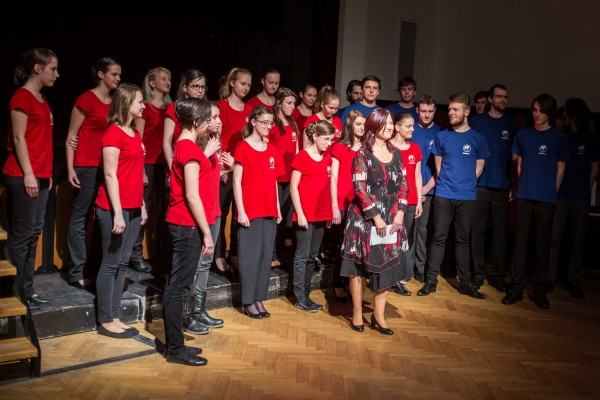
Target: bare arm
(191,170)
(594,173)
(110,155)
(335,169)
(238,171)
(438,167)
(560,173)
(519,164)
(479,167)
(139,124)
(168,140)
(419,184)
(19,124)
(77,118)
(295,194)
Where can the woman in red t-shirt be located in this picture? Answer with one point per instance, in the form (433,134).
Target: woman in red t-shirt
(84,159)
(412,156)
(192,83)
(257,166)
(188,219)
(29,162)
(328,102)
(308,95)
(342,189)
(310,191)
(234,114)
(157,84)
(266,98)
(120,207)
(284,136)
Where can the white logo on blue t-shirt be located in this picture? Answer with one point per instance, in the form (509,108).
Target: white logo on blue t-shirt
(505,135)
(581,150)
(467,149)
(543,149)
(430,144)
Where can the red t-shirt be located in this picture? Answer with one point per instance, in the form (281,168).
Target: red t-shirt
(38,135)
(130,169)
(286,147)
(314,190)
(154,129)
(89,150)
(178,212)
(170,112)
(337,124)
(259,179)
(345,187)
(256,102)
(233,123)
(300,120)
(215,182)
(411,157)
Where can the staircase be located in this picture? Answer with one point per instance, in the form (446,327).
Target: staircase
(20,343)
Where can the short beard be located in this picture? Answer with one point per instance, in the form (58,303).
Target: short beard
(460,121)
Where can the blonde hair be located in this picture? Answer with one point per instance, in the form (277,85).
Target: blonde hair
(257,112)
(232,75)
(325,95)
(122,99)
(148,91)
(321,128)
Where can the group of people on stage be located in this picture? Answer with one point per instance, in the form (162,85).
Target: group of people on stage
(296,171)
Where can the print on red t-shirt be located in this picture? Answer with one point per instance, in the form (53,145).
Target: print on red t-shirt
(256,102)
(411,157)
(233,123)
(38,135)
(259,177)
(154,130)
(89,149)
(314,190)
(286,147)
(130,168)
(345,186)
(179,212)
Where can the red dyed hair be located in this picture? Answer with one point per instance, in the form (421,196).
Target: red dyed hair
(375,122)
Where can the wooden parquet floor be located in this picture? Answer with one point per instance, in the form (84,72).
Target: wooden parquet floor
(445,346)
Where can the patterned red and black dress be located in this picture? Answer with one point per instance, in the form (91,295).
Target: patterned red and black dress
(380,188)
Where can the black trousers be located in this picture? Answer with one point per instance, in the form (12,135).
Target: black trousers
(187,249)
(308,243)
(444,212)
(575,213)
(494,201)
(28,223)
(539,215)
(226,202)
(423,227)
(285,229)
(255,248)
(156,184)
(409,223)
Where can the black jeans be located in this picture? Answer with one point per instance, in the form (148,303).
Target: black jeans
(576,214)
(285,229)
(27,225)
(444,212)
(255,254)
(422,226)
(409,223)
(494,201)
(538,214)
(116,251)
(187,249)
(226,201)
(90,179)
(337,233)
(156,185)
(201,277)
(308,243)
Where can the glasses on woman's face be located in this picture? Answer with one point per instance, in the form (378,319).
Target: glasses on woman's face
(199,87)
(266,124)
(325,140)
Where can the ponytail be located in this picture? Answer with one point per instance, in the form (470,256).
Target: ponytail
(257,112)
(102,65)
(28,61)
(321,128)
(225,81)
(325,95)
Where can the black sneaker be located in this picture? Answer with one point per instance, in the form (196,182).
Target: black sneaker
(141,266)
(313,304)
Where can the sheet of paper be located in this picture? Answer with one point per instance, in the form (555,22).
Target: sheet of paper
(387,239)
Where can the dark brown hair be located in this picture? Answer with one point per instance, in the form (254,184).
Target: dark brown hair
(102,65)
(28,60)
(281,94)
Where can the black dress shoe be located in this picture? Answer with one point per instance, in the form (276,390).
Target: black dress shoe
(400,289)
(193,350)
(313,304)
(357,328)
(306,307)
(37,300)
(575,291)
(185,358)
(477,283)
(194,327)
(141,266)
(251,315)
(512,297)
(126,334)
(498,284)
(420,277)
(468,288)
(133,331)
(427,288)
(375,324)
(541,301)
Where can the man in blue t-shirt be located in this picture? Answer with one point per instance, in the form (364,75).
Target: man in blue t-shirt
(459,160)
(493,187)
(425,131)
(353,95)
(541,152)
(371,86)
(407,87)
(574,195)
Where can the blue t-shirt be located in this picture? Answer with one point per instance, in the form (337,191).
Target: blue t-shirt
(424,138)
(360,107)
(540,150)
(340,112)
(459,151)
(584,150)
(499,134)
(397,108)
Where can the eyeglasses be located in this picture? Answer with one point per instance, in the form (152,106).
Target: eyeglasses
(266,124)
(199,87)
(328,140)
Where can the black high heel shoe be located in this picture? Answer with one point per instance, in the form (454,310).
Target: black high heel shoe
(382,330)
(251,315)
(356,328)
